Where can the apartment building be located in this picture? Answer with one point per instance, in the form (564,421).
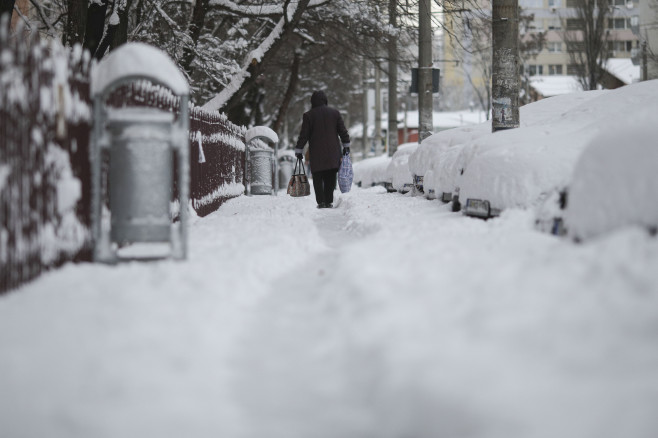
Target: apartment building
(554,17)
(551,17)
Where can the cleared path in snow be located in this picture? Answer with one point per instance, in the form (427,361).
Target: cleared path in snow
(389,316)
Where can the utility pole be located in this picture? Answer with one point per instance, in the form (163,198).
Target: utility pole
(365,109)
(392,80)
(425,126)
(645,69)
(505,64)
(378,109)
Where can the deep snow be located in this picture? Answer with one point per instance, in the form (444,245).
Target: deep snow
(388,316)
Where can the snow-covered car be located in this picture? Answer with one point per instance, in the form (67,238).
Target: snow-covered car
(398,172)
(615,182)
(525,167)
(432,153)
(371,171)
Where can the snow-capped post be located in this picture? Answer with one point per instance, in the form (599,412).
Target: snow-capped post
(142,145)
(260,164)
(505,65)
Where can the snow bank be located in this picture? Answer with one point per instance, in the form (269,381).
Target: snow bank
(615,186)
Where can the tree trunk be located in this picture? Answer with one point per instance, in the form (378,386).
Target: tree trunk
(95,26)
(121,32)
(76,22)
(255,69)
(194,31)
(290,91)
(7,7)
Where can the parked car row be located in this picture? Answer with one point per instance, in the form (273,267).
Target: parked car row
(564,162)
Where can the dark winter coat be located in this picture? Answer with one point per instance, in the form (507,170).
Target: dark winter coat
(322,125)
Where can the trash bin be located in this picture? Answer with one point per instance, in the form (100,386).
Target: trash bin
(140,174)
(133,151)
(286,168)
(262,171)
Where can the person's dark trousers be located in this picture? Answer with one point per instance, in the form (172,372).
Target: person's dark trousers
(324,183)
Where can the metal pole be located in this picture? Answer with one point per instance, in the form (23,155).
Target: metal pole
(425,126)
(275,169)
(505,64)
(365,109)
(378,110)
(645,67)
(183,175)
(392,81)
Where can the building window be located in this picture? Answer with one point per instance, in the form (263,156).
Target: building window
(555,69)
(574,3)
(554,47)
(535,70)
(575,46)
(616,23)
(575,69)
(575,24)
(554,3)
(620,46)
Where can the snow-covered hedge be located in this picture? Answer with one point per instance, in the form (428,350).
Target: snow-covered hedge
(44,155)
(44,135)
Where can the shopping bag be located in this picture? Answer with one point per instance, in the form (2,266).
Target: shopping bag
(345,174)
(298,184)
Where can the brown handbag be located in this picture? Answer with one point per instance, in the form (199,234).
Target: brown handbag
(298,184)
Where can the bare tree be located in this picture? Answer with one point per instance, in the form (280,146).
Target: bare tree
(530,44)
(586,38)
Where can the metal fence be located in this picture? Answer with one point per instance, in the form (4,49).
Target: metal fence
(217,148)
(45,122)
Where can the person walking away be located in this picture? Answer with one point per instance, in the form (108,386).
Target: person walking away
(322,126)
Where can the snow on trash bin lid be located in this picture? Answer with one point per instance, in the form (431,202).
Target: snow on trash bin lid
(261,131)
(138,60)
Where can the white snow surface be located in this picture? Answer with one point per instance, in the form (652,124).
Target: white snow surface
(623,69)
(261,131)
(555,85)
(387,316)
(137,59)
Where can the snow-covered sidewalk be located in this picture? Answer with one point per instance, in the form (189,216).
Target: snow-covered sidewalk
(388,316)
